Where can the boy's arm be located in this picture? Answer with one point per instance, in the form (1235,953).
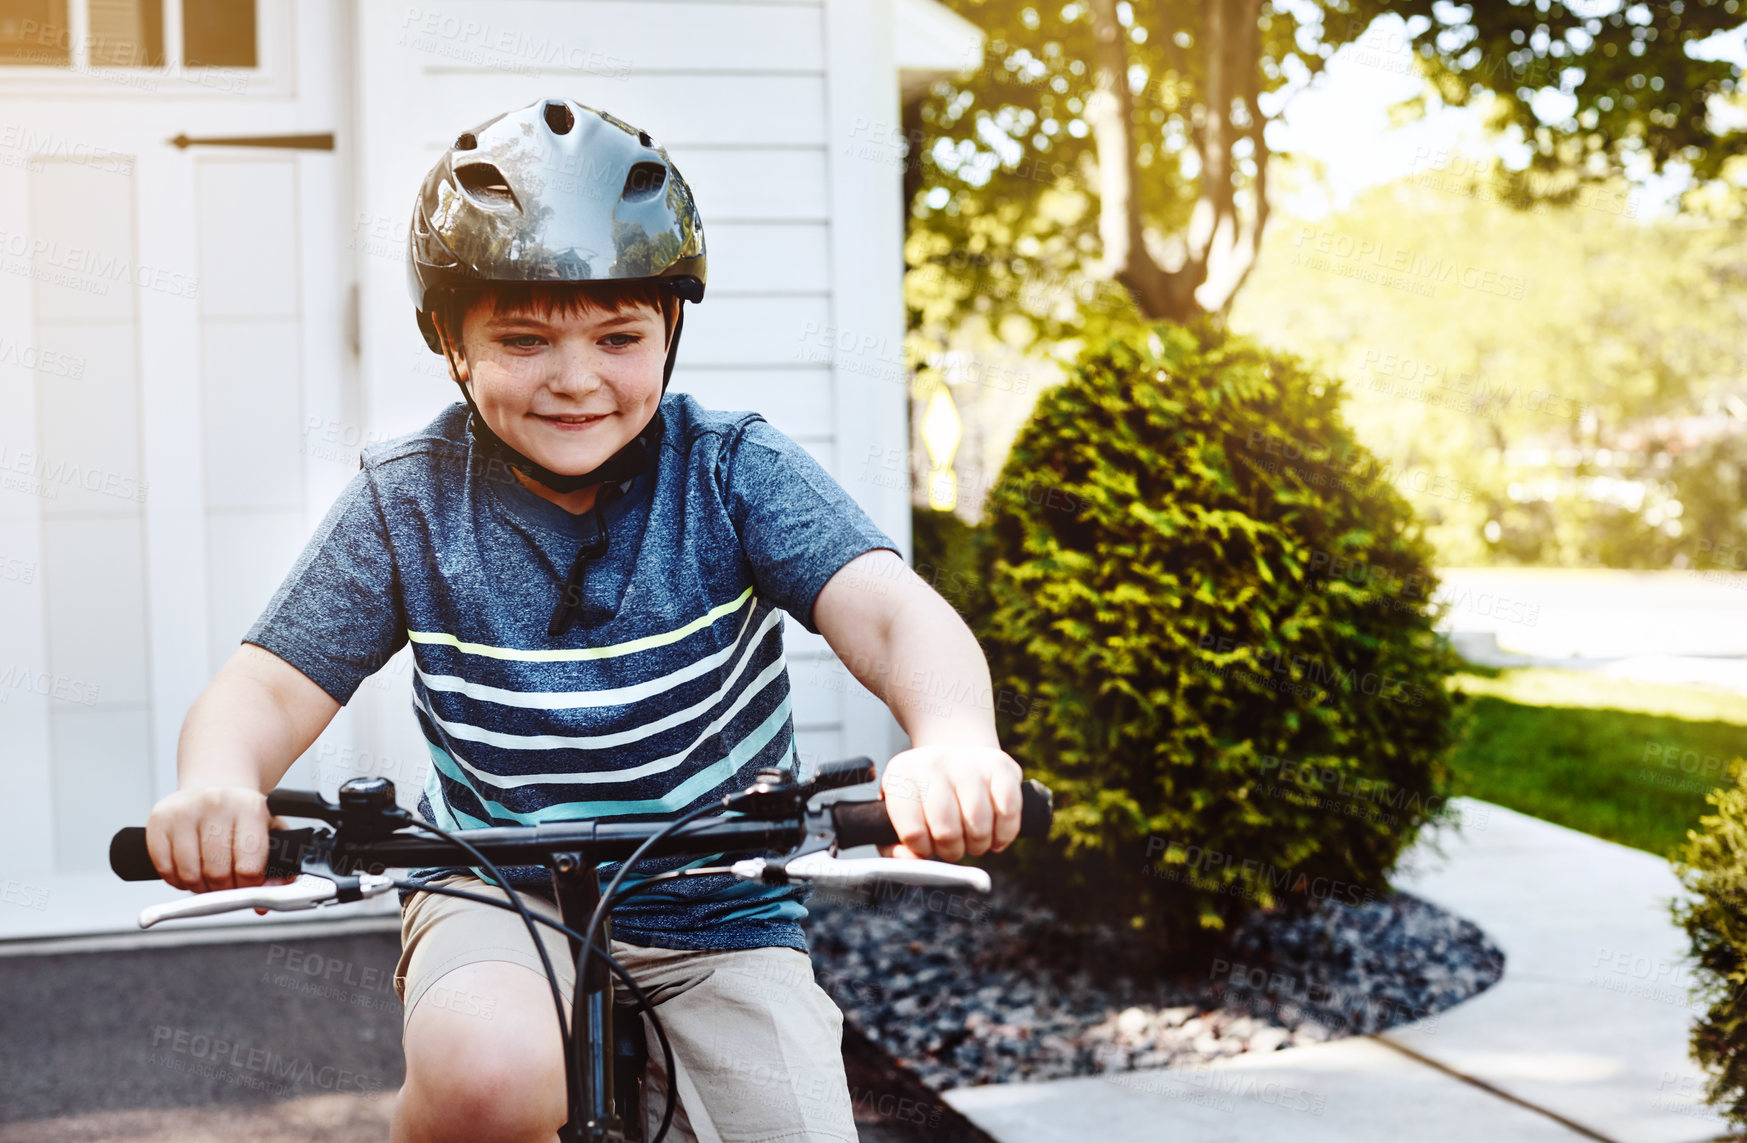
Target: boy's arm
(334,621)
(954,792)
(245,730)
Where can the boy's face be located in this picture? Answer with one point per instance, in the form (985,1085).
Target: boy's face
(568,389)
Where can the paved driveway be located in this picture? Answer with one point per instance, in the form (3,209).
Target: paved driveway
(292,1039)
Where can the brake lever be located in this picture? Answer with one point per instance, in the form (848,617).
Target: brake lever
(827,869)
(306,892)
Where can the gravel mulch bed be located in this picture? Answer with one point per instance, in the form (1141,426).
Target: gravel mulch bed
(969,990)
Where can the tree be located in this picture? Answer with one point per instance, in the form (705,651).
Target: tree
(1560,386)
(1113,153)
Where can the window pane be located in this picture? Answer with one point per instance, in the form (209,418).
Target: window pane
(218,33)
(127,33)
(33,33)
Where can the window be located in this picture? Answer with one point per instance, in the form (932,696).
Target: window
(126,34)
(33,33)
(218,33)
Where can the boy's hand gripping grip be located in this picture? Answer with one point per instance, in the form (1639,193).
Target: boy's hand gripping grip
(866,822)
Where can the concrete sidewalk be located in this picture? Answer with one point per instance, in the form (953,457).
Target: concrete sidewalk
(1584,1037)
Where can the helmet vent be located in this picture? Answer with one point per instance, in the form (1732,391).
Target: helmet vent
(644,182)
(465,141)
(559,117)
(485,184)
(644,138)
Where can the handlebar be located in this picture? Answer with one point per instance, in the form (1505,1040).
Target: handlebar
(371,835)
(858,822)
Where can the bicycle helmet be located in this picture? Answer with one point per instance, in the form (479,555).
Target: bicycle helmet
(553,192)
(556,192)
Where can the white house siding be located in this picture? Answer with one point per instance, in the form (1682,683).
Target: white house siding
(156,489)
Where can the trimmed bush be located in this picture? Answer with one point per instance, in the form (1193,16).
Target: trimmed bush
(949,555)
(1713,867)
(1209,618)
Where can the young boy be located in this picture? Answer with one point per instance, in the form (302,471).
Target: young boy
(590,571)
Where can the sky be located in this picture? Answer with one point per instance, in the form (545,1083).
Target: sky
(1341,118)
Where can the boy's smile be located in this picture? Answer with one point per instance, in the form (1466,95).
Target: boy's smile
(567,388)
(569,423)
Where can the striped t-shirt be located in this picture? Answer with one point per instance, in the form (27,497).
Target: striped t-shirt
(669,691)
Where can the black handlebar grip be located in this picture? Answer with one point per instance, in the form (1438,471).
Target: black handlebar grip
(866,822)
(128,855)
(131,861)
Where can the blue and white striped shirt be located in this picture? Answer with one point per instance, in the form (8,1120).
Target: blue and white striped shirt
(670,690)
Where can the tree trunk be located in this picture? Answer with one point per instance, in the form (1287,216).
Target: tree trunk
(1222,240)
(1159,293)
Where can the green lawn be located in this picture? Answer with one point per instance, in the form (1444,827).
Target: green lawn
(1621,759)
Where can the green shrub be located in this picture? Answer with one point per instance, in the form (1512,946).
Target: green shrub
(949,557)
(1209,623)
(1713,868)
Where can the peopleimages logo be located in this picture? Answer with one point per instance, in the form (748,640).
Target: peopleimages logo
(504,48)
(96,265)
(1201,867)
(52,475)
(1311,670)
(20,141)
(1309,777)
(202,1054)
(40,682)
(46,361)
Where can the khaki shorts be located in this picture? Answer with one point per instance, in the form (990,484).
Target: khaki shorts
(757,1044)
